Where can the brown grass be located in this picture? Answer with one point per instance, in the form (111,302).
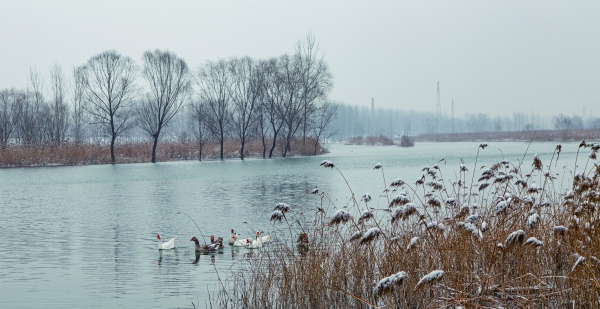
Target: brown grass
(380,140)
(485,265)
(83,154)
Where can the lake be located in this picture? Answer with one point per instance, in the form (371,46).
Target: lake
(85,236)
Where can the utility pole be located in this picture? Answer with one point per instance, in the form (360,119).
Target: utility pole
(438,111)
(452,123)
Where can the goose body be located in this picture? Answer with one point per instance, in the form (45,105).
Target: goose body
(254,244)
(264,239)
(233,238)
(258,242)
(213,246)
(165,245)
(240,242)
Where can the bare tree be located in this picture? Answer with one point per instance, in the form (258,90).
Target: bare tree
(168,78)
(325,113)
(213,80)
(78,116)
(10,104)
(199,123)
(562,122)
(594,123)
(262,125)
(293,104)
(246,85)
(32,121)
(273,107)
(109,81)
(59,111)
(315,78)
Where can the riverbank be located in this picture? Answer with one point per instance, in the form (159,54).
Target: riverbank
(513,136)
(89,154)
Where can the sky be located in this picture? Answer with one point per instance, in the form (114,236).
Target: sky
(494,57)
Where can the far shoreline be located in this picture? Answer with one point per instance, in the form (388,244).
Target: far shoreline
(78,154)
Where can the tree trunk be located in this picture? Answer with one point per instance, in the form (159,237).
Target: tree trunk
(264,147)
(273,146)
(222,141)
(154,148)
(200,151)
(316,144)
(112,148)
(242,150)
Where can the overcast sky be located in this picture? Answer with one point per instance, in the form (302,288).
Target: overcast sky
(495,57)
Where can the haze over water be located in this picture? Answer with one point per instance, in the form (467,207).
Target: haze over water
(84,236)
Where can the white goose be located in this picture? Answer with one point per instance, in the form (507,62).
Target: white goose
(233,237)
(167,245)
(239,242)
(263,239)
(255,244)
(258,242)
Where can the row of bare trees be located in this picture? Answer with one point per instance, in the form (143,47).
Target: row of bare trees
(274,100)
(32,118)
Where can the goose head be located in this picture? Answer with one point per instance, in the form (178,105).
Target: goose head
(194,239)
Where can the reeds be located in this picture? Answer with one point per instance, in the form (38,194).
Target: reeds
(138,152)
(507,246)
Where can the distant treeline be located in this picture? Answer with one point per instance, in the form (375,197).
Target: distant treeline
(536,136)
(355,121)
(111,100)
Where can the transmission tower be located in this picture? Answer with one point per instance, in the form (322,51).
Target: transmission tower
(452,123)
(438,111)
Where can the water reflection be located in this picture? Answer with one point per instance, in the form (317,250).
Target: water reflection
(168,254)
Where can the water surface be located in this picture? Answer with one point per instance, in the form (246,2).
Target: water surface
(85,236)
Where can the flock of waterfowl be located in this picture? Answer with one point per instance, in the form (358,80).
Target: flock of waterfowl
(217,244)
(235,241)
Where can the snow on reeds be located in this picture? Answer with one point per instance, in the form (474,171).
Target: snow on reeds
(534,242)
(519,241)
(387,284)
(370,235)
(340,216)
(277,215)
(514,238)
(283,207)
(399,199)
(397,183)
(470,228)
(327,164)
(430,278)
(365,215)
(404,212)
(413,242)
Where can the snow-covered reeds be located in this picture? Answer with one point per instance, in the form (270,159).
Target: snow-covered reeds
(387,284)
(340,216)
(370,235)
(403,212)
(430,278)
(504,246)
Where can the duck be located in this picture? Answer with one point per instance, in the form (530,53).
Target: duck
(214,246)
(167,245)
(302,240)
